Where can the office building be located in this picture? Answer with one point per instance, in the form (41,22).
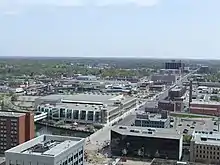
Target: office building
(153,120)
(204,70)
(205,147)
(85,108)
(145,142)
(47,150)
(169,105)
(174,65)
(15,128)
(177,92)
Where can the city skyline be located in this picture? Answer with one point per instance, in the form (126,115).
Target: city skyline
(123,28)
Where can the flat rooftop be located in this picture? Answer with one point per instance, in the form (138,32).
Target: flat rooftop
(10,114)
(165,133)
(211,138)
(150,117)
(46,145)
(102,98)
(83,107)
(80,100)
(206,102)
(157,161)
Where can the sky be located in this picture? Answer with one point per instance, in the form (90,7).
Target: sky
(110,28)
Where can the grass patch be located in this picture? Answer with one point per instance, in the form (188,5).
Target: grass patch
(189,116)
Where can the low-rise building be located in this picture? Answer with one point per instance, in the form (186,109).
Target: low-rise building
(205,108)
(176,92)
(86,108)
(47,150)
(153,120)
(169,105)
(205,147)
(145,142)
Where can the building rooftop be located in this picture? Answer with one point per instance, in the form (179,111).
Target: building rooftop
(99,98)
(46,145)
(83,107)
(150,117)
(157,161)
(206,102)
(11,114)
(165,133)
(89,101)
(207,138)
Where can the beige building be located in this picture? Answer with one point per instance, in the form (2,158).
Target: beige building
(205,147)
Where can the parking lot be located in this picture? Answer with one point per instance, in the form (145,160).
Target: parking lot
(188,125)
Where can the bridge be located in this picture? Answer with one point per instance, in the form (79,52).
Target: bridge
(40,116)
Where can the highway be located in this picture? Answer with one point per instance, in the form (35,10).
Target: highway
(96,140)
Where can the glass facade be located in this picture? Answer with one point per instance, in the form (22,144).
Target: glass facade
(146,147)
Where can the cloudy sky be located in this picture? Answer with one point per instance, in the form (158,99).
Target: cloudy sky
(110,28)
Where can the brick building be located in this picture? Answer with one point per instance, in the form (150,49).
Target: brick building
(15,128)
(205,108)
(169,105)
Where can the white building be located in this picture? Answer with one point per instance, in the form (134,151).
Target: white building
(85,108)
(47,150)
(205,147)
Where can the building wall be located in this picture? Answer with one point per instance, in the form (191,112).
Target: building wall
(154,124)
(144,147)
(29,126)
(202,111)
(13,131)
(72,156)
(204,153)
(170,106)
(102,115)
(21,129)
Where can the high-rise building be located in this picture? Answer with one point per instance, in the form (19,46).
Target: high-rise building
(174,65)
(15,128)
(48,150)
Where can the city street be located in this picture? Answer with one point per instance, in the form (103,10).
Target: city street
(102,136)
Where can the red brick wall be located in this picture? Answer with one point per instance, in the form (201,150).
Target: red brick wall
(21,129)
(200,110)
(30,129)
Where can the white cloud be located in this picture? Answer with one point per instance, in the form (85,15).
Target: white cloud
(14,7)
(148,3)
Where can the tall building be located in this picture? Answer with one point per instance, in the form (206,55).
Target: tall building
(143,142)
(48,150)
(15,128)
(174,65)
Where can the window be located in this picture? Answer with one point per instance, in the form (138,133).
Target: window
(75,156)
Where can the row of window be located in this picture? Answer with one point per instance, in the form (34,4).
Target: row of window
(74,157)
(207,157)
(208,147)
(208,152)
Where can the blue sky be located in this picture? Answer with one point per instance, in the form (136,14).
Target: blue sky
(110,28)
